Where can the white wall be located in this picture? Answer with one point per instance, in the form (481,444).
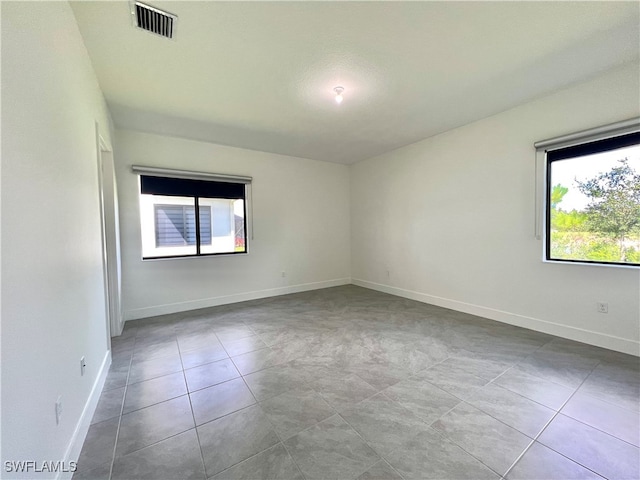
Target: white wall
(300,219)
(452,220)
(53,309)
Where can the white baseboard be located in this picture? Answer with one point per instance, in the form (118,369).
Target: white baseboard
(572,333)
(227,299)
(77,440)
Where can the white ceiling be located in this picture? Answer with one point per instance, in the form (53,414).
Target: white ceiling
(260,75)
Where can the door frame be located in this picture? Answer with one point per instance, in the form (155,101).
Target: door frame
(110,238)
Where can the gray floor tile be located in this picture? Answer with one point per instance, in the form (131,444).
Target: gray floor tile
(156,390)
(422,398)
(214,402)
(611,419)
(383,423)
(479,434)
(147,352)
(210,374)
(404,355)
(287,352)
(453,379)
(620,368)
(177,457)
(515,410)
(230,334)
(157,367)
(541,462)
(616,384)
(482,368)
(566,370)
(129,331)
(234,438)
(296,410)
(258,360)
(430,456)
(122,343)
(274,463)
(380,471)
(589,353)
(543,391)
(109,405)
(117,376)
(102,472)
(200,356)
(122,357)
(243,345)
(331,449)
(341,391)
(273,381)
(434,350)
(98,445)
(156,332)
(500,357)
(377,372)
(276,336)
(197,341)
(152,424)
(596,450)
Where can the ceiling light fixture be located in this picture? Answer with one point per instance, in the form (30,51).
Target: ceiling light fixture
(339,91)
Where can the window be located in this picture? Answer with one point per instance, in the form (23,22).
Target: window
(182,217)
(593,201)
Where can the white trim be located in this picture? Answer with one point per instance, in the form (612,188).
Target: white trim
(572,333)
(101,146)
(82,427)
(110,266)
(145,312)
(102,143)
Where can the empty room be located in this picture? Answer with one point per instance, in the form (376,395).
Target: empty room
(320,240)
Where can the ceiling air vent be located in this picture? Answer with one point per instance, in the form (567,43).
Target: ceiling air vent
(153,19)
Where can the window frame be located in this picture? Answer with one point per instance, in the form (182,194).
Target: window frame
(201,176)
(592,141)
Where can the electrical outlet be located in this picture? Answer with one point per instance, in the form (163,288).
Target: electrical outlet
(284,274)
(388,274)
(83,365)
(58,410)
(603,307)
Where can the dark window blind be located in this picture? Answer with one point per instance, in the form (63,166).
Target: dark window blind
(183,187)
(591,148)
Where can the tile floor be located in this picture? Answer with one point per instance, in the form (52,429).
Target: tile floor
(348,383)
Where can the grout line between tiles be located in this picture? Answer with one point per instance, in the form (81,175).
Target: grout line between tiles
(276,431)
(600,430)
(382,457)
(557,412)
(124,397)
(193,415)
